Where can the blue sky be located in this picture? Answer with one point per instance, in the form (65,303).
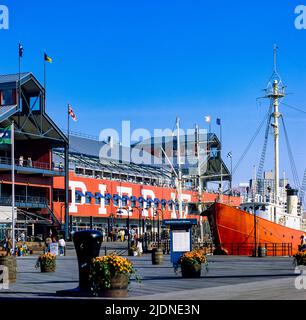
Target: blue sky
(149,61)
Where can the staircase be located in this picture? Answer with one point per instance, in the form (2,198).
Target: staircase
(47,211)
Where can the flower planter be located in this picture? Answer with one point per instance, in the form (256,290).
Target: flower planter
(47,268)
(118,287)
(109,276)
(300,258)
(191,270)
(11,264)
(46,262)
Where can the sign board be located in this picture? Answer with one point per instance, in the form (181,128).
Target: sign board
(180,222)
(180,237)
(181,240)
(54,248)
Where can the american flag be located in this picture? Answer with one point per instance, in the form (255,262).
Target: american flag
(71,113)
(208,119)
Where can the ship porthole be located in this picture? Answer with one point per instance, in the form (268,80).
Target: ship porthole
(292,237)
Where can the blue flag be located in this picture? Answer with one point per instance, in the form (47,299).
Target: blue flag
(218,122)
(5,135)
(20,50)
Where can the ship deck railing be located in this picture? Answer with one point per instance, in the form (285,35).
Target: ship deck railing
(28,163)
(271,249)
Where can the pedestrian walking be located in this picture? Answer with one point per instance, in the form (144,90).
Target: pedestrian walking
(61,246)
(122,234)
(8,246)
(48,241)
(22,236)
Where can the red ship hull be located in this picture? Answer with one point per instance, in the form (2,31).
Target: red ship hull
(233,231)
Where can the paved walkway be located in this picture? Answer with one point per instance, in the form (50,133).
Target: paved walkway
(227,278)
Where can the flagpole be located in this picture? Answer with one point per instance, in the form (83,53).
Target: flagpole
(68,124)
(19,85)
(67,179)
(45,78)
(13,183)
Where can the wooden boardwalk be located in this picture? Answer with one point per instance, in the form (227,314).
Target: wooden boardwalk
(228,277)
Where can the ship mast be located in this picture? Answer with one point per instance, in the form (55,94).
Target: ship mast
(275,94)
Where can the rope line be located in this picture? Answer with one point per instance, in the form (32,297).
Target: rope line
(251,142)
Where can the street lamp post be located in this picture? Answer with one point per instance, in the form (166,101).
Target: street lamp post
(158,227)
(128,227)
(127,223)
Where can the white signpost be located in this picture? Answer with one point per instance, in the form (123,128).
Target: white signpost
(181,241)
(54,248)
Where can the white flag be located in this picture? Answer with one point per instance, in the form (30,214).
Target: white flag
(208,118)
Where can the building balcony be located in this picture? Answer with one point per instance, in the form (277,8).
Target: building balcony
(32,167)
(25,201)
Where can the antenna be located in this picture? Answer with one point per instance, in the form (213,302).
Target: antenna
(275,47)
(275,75)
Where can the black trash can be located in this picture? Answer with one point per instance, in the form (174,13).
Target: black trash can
(87,245)
(262,251)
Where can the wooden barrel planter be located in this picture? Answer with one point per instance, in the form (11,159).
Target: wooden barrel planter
(118,287)
(191,270)
(47,268)
(11,264)
(157,256)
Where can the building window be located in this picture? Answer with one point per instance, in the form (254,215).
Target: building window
(213,152)
(124,202)
(8,97)
(116,202)
(88,199)
(35,103)
(78,198)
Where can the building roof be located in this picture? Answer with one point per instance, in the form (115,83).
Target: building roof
(84,145)
(87,162)
(9,78)
(85,153)
(30,123)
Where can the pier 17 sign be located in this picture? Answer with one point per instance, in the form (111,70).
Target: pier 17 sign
(4,17)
